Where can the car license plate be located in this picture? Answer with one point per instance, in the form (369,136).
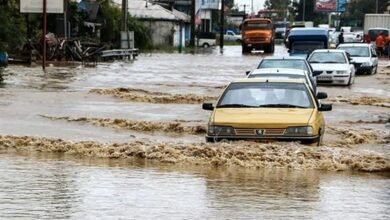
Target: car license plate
(323,78)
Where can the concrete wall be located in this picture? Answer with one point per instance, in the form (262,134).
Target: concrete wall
(166,32)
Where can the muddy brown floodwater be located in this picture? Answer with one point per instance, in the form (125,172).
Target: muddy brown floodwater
(126,141)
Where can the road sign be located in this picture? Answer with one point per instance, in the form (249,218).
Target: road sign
(36,6)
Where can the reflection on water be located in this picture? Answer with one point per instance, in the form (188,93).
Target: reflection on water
(52,186)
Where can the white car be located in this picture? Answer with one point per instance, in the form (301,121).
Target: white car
(364,57)
(334,67)
(283,73)
(231,36)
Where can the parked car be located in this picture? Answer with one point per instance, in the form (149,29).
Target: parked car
(364,57)
(281,28)
(231,36)
(279,109)
(333,66)
(206,39)
(283,73)
(290,63)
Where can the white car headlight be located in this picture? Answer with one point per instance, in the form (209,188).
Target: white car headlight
(341,72)
(221,130)
(299,131)
(366,64)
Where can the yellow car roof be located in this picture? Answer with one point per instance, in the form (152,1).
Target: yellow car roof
(270,80)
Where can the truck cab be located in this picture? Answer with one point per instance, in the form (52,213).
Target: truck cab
(302,41)
(257,33)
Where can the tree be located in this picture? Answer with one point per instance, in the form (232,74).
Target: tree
(356,10)
(279,5)
(310,14)
(12,26)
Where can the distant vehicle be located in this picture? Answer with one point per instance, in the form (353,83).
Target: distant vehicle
(231,36)
(353,37)
(206,39)
(302,41)
(333,39)
(281,28)
(284,73)
(299,63)
(257,33)
(326,26)
(334,67)
(374,33)
(364,57)
(346,29)
(257,108)
(376,23)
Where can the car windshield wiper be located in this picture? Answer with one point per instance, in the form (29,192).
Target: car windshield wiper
(236,106)
(315,62)
(281,106)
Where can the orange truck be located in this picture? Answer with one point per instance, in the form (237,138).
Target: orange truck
(257,33)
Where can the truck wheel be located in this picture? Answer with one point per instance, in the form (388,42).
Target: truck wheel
(246,49)
(270,48)
(206,45)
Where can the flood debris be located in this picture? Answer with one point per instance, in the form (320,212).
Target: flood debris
(178,127)
(364,100)
(226,154)
(139,95)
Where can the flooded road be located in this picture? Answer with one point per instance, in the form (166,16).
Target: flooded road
(126,141)
(56,187)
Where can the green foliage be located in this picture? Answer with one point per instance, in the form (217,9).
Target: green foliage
(141,34)
(356,10)
(310,14)
(12,27)
(229,3)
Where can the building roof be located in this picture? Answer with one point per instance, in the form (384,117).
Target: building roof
(145,10)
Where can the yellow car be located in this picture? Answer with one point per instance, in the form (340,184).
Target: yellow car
(258,108)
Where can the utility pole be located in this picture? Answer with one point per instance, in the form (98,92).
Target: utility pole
(192,36)
(252,9)
(124,16)
(304,10)
(221,31)
(376,8)
(44,36)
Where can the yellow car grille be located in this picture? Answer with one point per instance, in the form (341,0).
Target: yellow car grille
(265,132)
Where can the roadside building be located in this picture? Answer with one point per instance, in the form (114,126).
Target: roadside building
(167,27)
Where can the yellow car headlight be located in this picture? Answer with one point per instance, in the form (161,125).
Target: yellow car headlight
(299,131)
(221,130)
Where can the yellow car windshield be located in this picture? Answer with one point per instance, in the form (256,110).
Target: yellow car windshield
(266,95)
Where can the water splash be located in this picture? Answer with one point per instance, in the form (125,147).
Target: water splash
(226,154)
(138,95)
